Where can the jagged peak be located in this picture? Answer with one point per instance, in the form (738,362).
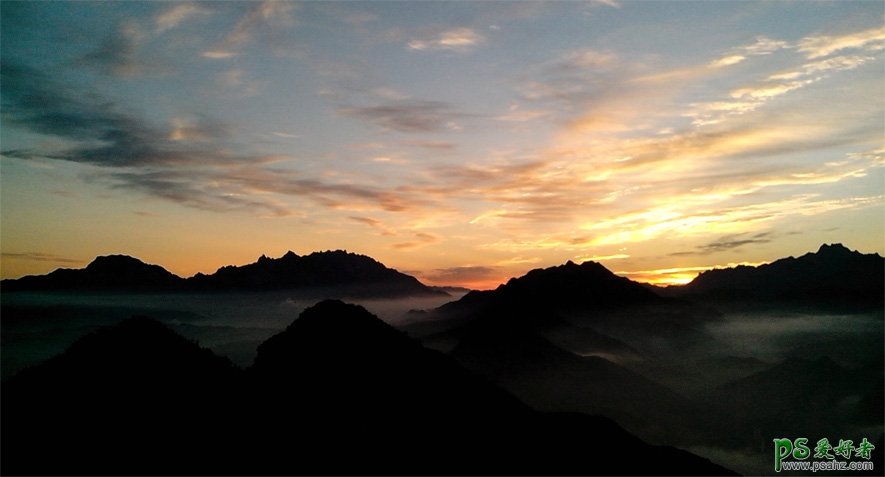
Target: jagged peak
(834,249)
(833,246)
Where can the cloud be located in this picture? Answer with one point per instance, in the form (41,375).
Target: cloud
(749,98)
(518,261)
(714,179)
(762,46)
(820,46)
(464,275)
(179,163)
(259,20)
(728,243)
(432,145)
(118,53)
(728,60)
(41,257)
(236,83)
(106,136)
(459,40)
(375,223)
(175,15)
(601,258)
(422,239)
(197,128)
(680,221)
(586,58)
(407,116)
(218,54)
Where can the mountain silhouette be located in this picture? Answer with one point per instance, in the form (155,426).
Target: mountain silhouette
(833,275)
(350,273)
(115,273)
(319,269)
(337,392)
(132,393)
(567,287)
(585,308)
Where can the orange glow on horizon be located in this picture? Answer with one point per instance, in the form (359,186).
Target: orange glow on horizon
(677,275)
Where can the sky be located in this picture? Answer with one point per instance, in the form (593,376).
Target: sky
(462,142)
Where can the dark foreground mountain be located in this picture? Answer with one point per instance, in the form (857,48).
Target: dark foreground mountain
(349,273)
(834,275)
(338,392)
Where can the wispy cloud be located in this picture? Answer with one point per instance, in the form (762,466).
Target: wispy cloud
(421,239)
(820,46)
(474,276)
(459,40)
(177,14)
(34,100)
(728,243)
(431,145)
(601,258)
(608,3)
(257,21)
(41,257)
(118,54)
(762,46)
(408,116)
(375,223)
(187,162)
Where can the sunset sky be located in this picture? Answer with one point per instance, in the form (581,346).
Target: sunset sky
(462,142)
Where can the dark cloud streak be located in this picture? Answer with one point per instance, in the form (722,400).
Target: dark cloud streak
(407,116)
(133,154)
(725,244)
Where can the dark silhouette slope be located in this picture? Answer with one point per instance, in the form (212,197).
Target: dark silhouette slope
(133,398)
(550,378)
(833,275)
(114,273)
(338,392)
(791,397)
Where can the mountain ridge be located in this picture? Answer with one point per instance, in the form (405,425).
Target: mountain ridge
(339,268)
(833,275)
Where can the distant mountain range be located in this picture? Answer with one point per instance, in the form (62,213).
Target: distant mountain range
(361,275)
(337,392)
(833,275)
